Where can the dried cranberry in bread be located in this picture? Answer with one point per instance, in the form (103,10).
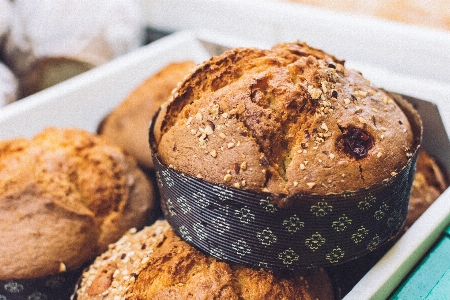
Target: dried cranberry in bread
(291,119)
(65,195)
(155,263)
(127,124)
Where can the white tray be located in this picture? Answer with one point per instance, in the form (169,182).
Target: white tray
(85,99)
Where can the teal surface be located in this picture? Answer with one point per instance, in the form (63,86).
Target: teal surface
(431,278)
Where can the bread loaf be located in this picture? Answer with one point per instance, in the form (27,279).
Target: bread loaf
(127,125)
(64,196)
(154,263)
(291,119)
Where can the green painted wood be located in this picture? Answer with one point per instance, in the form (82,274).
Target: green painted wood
(431,278)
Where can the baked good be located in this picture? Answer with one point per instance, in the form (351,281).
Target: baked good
(8,85)
(285,158)
(154,263)
(287,120)
(65,195)
(66,38)
(127,125)
(430,181)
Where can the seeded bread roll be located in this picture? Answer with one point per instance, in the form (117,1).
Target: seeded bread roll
(154,263)
(291,119)
(127,125)
(64,196)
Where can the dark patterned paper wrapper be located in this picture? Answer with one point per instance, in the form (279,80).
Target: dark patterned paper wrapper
(247,227)
(53,287)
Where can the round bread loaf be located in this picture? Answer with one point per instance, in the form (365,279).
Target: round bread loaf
(127,124)
(64,196)
(287,120)
(154,263)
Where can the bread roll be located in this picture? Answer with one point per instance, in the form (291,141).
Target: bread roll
(154,263)
(65,195)
(64,38)
(127,125)
(287,120)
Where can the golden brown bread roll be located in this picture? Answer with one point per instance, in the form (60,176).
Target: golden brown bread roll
(65,195)
(127,125)
(291,119)
(154,263)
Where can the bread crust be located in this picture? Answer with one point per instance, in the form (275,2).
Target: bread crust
(127,125)
(156,264)
(64,196)
(291,119)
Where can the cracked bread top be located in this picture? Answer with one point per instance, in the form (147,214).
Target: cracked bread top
(291,119)
(65,195)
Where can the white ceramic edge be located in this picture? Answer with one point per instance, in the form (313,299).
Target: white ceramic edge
(403,48)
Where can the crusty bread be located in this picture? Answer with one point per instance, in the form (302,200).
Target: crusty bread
(64,196)
(154,263)
(127,125)
(291,119)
